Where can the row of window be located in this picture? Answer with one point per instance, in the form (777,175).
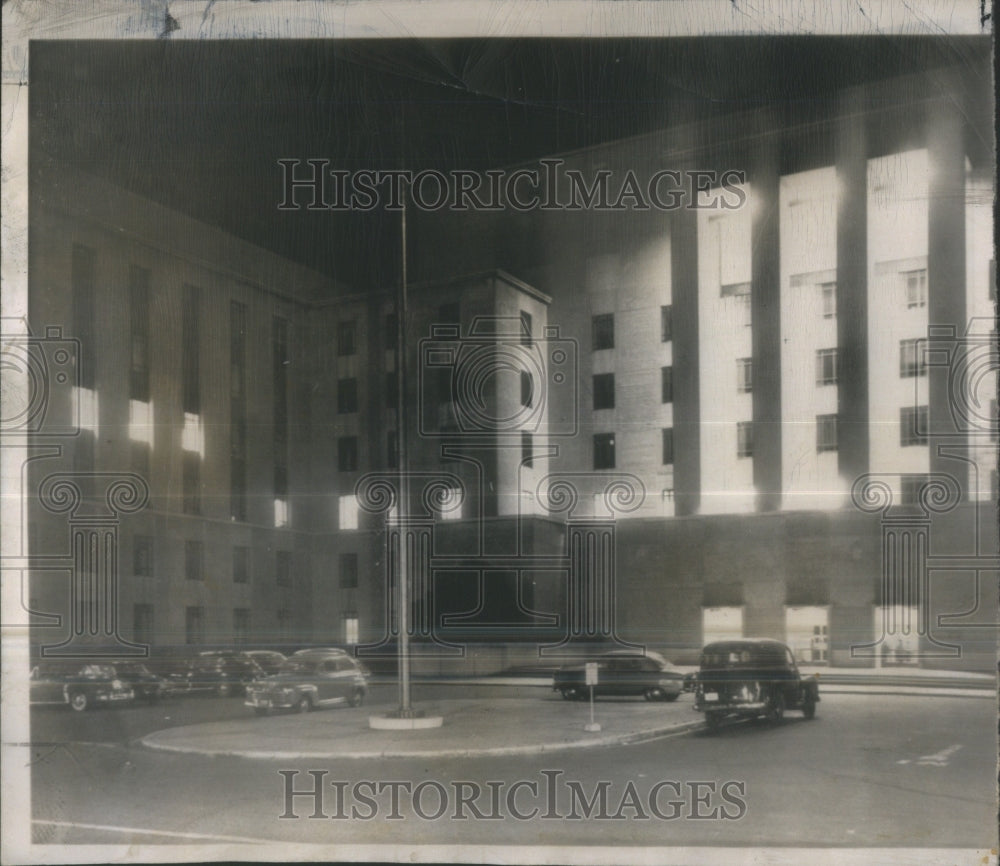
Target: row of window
(602,328)
(912,426)
(143,626)
(194,563)
(911,364)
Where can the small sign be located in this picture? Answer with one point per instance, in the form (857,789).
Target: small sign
(591,674)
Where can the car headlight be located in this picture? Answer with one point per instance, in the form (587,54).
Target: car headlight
(116,684)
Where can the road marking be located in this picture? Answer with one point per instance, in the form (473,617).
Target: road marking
(941,758)
(142,831)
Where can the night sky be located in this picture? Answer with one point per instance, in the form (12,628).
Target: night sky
(200,126)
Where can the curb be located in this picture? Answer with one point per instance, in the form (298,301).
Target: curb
(498,751)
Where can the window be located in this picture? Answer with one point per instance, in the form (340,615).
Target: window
(826,367)
(190,369)
(285,623)
(348,512)
(138,279)
(142,556)
(666,384)
(347,454)
(194,560)
(527,449)
(603,328)
(351,629)
(237,412)
(84,291)
(826,433)
(744,439)
(391,390)
(347,338)
(527,387)
(391,327)
(666,323)
(194,625)
(392,450)
(913,425)
(604,451)
(910,488)
(916,288)
(241,565)
(911,359)
(744,375)
(451,504)
(280,511)
(525,328)
(604,391)
(828,296)
(83,451)
(283,567)
(139,458)
(668,446)
(241,626)
(142,623)
(348,570)
(347,396)
(191,482)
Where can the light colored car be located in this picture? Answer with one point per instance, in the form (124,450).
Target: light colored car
(310,680)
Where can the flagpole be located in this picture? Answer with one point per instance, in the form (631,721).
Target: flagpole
(403,574)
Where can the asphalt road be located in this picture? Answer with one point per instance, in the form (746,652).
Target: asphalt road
(871,770)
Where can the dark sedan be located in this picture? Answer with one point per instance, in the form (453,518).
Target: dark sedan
(78,684)
(622,673)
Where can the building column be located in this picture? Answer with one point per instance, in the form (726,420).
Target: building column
(852,286)
(765,312)
(687,411)
(946,286)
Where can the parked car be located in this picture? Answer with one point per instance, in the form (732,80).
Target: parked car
(270,661)
(752,677)
(226,672)
(308,680)
(81,685)
(622,672)
(146,685)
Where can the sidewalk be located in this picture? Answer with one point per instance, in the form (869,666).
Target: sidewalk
(481,726)
(505,726)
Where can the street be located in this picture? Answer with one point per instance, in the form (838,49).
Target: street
(871,770)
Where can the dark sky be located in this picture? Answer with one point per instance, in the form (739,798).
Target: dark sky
(200,126)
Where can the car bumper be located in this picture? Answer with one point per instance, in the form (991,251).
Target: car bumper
(114,697)
(267,702)
(704,706)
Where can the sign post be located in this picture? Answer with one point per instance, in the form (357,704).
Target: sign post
(591,681)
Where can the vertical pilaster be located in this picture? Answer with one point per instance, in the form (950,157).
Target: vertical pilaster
(765,308)
(852,286)
(687,411)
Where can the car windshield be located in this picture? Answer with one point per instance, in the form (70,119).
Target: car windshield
(298,666)
(132,668)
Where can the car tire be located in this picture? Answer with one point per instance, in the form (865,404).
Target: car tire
(357,698)
(78,701)
(809,706)
(713,720)
(653,694)
(569,693)
(671,697)
(261,711)
(224,690)
(304,705)
(776,707)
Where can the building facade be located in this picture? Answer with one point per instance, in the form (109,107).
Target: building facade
(799,392)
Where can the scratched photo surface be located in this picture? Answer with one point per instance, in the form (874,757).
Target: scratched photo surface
(499,449)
